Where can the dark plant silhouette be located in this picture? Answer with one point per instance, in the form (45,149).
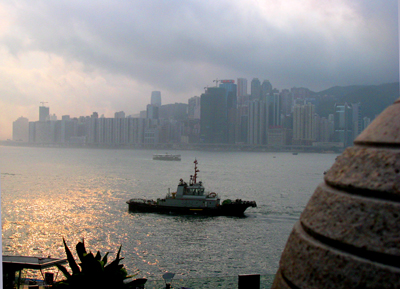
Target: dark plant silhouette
(93,271)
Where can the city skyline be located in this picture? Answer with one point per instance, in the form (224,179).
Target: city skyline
(111,58)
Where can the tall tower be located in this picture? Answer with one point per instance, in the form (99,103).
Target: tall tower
(44,113)
(343,118)
(213,116)
(156,98)
(274,109)
(21,129)
(266,88)
(241,90)
(303,124)
(255,89)
(231,105)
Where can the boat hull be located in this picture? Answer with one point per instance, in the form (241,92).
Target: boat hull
(222,210)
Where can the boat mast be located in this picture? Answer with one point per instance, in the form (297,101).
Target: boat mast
(195,171)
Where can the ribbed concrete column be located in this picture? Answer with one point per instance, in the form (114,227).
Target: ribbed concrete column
(348,236)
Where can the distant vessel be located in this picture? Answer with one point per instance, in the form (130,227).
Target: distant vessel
(295,154)
(166,157)
(191,199)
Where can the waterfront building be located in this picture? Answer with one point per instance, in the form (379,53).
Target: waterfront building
(324,135)
(231,106)
(152,111)
(44,132)
(343,118)
(357,119)
(173,111)
(242,123)
(257,122)
(274,110)
(44,113)
(241,90)
(194,107)
(255,89)
(155,98)
(331,124)
(119,114)
(366,122)
(21,129)
(279,136)
(213,116)
(303,124)
(266,88)
(286,102)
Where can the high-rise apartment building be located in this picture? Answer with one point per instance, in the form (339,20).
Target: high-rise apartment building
(266,89)
(357,119)
(257,122)
(119,114)
(156,98)
(255,90)
(152,111)
(343,124)
(274,110)
(231,106)
(214,116)
(21,129)
(241,90)
(44,113)
(194,107)
(303,124)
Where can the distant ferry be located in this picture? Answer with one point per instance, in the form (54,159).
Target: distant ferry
(191,199)
(166,157)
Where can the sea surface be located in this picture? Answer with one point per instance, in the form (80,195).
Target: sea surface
(48,194)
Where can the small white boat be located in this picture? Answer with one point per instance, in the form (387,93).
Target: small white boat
(166,157)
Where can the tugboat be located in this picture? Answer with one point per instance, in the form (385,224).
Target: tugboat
(191,199)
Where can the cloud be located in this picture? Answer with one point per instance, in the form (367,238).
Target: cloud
(109,55)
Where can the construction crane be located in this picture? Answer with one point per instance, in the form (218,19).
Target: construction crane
(216,82)
(43,102)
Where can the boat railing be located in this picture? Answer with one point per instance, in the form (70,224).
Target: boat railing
(138,200)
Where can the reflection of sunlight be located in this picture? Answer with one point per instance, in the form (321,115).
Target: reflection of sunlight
(48,219)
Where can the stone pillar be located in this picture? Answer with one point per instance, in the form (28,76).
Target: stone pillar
(348,236)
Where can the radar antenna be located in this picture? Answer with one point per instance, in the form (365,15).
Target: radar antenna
(43,102)
(195,171)
(216,82)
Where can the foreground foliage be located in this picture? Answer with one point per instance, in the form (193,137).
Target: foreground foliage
(93,271)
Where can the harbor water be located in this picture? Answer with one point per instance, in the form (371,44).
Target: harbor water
(48,194)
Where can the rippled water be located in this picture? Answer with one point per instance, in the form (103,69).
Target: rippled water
(51,193)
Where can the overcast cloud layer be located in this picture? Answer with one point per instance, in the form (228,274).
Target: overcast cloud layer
(107,56)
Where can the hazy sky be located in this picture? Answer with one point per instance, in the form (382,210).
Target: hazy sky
(107,56)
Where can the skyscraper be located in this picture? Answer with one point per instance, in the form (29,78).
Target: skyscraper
(194,107)
(44,113)
(343,124)
(241,90)
(152,111)
(156,98)
(21,129)
(266,88)
(255,89)
(357,119)
(274,109)
(231,106)
(213,116)
(303,124)
(257,122)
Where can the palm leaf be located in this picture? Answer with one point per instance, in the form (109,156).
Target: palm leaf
(71,261)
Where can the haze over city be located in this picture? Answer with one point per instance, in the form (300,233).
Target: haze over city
(81,57)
